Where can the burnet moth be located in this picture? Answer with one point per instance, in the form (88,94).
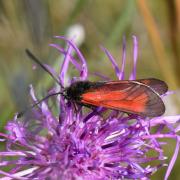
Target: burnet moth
(140,96)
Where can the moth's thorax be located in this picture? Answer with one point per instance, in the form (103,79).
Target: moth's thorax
(75,90)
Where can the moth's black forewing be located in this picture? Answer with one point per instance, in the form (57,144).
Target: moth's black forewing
(157,85)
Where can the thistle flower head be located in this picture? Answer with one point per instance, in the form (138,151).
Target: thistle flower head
(79,144)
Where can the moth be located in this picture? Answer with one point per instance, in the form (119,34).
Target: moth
(141,96)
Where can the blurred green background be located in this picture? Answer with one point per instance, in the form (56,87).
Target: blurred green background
(33,23)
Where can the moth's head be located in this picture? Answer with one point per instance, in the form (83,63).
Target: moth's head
(76,89)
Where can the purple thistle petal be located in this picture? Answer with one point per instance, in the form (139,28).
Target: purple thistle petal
(173,160)
(72,59)
(12,153)
(113,61)
(162,120)
(123,59)
(32,93)
(17,175)
(84,70)
(65,65)
(9,176)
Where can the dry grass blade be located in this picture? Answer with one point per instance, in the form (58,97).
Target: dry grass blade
(164,64)
(177,5)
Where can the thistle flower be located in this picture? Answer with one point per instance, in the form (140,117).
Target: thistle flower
(78,144)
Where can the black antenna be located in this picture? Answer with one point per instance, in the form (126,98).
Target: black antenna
(37,61)
(20,114)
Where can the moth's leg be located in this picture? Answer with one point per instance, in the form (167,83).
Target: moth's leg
(76,109)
